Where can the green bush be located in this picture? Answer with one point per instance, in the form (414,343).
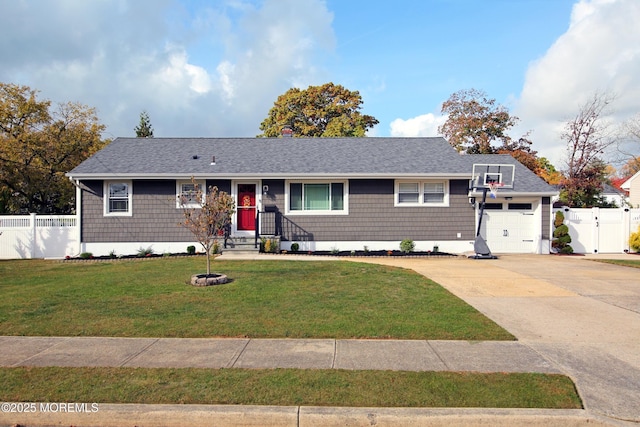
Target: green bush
(191,250)
(295,247)
(561,235)
(407,246)
(634,240)
(142,252)
(86,255)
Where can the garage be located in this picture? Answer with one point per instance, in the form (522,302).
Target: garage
(509,227)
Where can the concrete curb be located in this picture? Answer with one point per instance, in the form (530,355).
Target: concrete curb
(118,415)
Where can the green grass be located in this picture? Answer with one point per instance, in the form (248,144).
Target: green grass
(623,262)
(288,387)
(310,299)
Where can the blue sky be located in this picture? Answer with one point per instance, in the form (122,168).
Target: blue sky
(214,68)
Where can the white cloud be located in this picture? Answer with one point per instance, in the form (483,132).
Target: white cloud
(210,71)
(423,125)
(599,52)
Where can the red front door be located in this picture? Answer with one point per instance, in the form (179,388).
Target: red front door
(247,207)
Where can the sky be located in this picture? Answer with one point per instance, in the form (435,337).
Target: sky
(214,68)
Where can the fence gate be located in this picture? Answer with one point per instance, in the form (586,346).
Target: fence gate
(600,230)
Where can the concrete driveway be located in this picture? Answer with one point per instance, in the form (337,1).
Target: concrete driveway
(582,316)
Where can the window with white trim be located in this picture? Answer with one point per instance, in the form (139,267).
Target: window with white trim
(422,193)
(315,197)
(187,191)
(117,198)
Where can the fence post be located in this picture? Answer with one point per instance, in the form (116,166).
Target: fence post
(626,229)
(34,232)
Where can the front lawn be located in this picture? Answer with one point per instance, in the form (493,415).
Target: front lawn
(266,299)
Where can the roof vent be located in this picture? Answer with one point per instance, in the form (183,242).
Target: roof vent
(194,157)
(213,160)
(287,132)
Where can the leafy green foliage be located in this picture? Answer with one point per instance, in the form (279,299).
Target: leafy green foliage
(318,111)
(407,246)
(38,146)
(634,240)
(561,235)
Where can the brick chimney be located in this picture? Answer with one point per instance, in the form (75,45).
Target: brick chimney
(287,132)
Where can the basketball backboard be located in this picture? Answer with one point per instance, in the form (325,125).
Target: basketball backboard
(484,174)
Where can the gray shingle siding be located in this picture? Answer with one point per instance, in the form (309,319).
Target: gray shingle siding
(155,217)
(373,216)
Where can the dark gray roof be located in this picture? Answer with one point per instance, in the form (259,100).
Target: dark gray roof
(287,157)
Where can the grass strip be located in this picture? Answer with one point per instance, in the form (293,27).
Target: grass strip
(266,299)
(623,262)
(284,387)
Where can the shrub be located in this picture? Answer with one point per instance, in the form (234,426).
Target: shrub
(407,246)
(86,255)
(145,251)
(191,250)
(295,247)
(561,235)
(634,240)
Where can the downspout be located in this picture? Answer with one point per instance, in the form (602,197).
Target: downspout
(76,183)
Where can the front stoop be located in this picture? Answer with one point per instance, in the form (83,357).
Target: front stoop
(241,244)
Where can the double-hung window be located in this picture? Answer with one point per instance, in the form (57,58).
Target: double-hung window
(187,193)
(317,197)
(117,198)
(422,193)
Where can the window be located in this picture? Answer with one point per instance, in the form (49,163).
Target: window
(188,191)
(117,200)
(317,197)
(422,193)
(520,206)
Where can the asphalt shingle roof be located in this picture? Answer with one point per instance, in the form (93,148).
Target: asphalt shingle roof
(289,157)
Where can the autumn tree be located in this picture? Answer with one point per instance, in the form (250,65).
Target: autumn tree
(587,136)
(475,124)
(206,215)
(318,111)
(144,129)
(38,145)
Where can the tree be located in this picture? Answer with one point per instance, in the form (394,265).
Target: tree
(588,137)
(38,146)
(474,122)
(318,111)
(208,220)
(144,129)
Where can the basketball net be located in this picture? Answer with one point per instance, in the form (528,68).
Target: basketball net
(493,188)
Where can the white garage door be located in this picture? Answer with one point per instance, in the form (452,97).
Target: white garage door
(510,229)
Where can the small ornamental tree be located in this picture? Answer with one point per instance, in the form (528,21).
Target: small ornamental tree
(561,238)
(206,215)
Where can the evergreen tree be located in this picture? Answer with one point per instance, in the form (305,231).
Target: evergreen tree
(144,129)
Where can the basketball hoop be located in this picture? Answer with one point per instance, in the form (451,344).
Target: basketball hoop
(493,188)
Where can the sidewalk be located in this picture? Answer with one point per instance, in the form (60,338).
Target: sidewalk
(400,355)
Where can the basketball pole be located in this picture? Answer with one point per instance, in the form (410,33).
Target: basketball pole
(484,199)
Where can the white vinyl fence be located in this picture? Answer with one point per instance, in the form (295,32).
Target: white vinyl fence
(39,236)
(600,230)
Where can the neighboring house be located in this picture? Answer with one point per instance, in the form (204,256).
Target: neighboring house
(323,193)
(632,185)
(613,195)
